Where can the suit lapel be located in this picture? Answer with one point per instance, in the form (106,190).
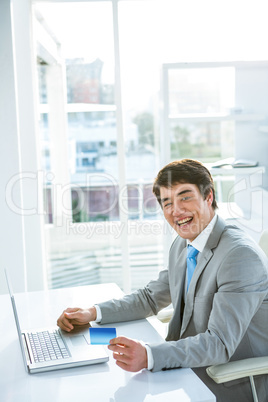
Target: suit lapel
(205,257)
(179,274)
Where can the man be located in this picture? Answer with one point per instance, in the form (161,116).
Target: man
(220,295)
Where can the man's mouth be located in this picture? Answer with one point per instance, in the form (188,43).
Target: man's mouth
(184,221)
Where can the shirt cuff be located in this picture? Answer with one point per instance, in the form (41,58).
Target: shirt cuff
(150,359)
(98,311)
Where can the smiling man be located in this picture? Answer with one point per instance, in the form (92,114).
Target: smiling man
(217,281)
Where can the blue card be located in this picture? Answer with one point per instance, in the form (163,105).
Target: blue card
(101,336)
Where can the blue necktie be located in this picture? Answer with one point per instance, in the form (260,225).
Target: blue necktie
(191,263)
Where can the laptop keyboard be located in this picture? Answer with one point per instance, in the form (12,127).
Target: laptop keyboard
(47,346)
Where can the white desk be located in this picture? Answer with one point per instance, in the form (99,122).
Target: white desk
(104,382)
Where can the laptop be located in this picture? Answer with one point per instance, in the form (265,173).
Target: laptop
(47,349)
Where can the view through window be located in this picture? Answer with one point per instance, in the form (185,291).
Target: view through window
(86,247)
(82,152)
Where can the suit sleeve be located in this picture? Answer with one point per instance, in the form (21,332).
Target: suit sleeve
(140,304)
(242,282)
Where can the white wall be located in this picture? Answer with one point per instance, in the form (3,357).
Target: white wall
(12,229)
(22,250)
(252,96)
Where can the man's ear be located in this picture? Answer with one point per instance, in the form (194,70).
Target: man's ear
(210,198)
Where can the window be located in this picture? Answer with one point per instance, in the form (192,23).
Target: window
(199,101)
(150,34)
(104,139)
(83,137)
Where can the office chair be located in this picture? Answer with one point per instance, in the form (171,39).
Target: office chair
(166,314)
(263,242)
(246,367)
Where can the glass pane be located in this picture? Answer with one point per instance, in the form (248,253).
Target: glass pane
(207,141)
(194,91)
(140,97)
(79,142)
(191,92)
(202,117)
(86,53)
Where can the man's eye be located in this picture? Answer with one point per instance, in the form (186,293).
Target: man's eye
(167,205)
(185,198)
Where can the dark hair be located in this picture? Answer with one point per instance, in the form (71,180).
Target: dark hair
(185,171)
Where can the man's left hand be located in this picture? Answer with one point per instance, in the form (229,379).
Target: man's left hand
(129,354)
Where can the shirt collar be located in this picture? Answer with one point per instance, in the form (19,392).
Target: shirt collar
(200,241)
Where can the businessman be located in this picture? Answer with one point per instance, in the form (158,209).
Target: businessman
(216,280)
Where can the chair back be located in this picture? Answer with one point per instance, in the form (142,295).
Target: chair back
(263,242)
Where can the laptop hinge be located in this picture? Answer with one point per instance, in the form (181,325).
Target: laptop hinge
(27,354)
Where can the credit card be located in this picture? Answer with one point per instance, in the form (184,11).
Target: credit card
(101,336)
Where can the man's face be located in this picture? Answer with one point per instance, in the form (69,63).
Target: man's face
(186,210)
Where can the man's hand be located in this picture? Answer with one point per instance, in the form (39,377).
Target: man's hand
(76,316)
(129,354)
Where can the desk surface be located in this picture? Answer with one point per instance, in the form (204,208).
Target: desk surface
(104,382)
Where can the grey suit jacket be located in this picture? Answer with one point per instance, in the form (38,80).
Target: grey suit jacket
(224,316)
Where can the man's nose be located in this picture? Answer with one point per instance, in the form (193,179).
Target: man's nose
(177,208)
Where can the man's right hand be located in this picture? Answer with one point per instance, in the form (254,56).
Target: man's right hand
(76,316)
